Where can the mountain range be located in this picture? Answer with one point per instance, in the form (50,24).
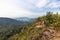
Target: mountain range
(25,19)
(11,26)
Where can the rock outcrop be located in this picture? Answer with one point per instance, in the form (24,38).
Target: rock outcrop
(48,34)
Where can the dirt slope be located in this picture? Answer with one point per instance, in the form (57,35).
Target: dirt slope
(48,34)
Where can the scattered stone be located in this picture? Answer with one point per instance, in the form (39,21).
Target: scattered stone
(48,34)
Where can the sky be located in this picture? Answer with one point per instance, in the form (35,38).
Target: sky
(27,8)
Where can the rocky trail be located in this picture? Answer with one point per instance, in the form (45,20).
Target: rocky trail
(48,34)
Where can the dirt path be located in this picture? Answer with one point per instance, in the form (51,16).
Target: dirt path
(48,34)
(57,36)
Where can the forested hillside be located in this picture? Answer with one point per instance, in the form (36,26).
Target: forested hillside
(37,29)
(9,27)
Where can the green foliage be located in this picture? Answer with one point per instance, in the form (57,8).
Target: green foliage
(9,27)
(50,19)
(26,34)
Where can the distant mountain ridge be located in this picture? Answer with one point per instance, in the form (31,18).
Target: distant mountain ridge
(25,19)
(8,21)
(12,22)
(9,27)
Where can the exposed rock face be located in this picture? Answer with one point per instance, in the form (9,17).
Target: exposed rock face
(40,24)
(48,34)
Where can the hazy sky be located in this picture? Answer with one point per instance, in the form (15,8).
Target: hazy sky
(27,8)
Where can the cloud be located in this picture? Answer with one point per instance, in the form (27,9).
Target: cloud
(42,3)
(54,5)
(27,8)
(14,8)
(38,6)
